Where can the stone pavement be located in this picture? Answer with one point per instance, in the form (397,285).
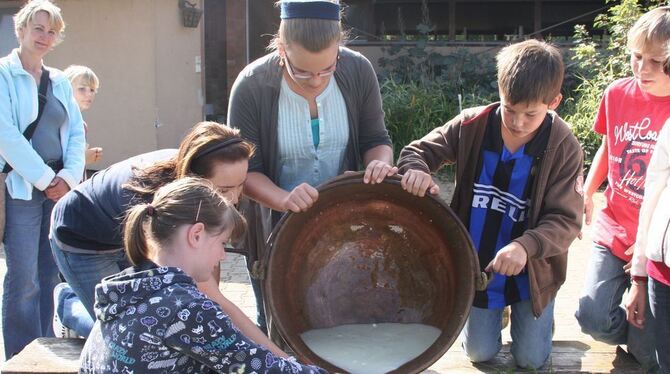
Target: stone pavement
(235,286)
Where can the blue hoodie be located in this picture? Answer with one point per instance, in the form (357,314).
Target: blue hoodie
(154,319)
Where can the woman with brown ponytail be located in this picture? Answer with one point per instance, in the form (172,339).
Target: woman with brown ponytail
(86,232)
(153,316)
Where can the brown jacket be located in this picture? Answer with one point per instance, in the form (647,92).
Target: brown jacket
(556,205)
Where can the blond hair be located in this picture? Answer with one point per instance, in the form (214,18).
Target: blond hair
(651,30)
(182,202)
(84,74)
(29,12)
(530,71)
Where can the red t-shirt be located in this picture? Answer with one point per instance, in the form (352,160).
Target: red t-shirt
(631,119)
(659,272)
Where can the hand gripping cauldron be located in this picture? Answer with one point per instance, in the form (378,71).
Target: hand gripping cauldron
(369,254)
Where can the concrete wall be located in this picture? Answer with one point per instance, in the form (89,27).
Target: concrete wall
(375,52)
(146,62)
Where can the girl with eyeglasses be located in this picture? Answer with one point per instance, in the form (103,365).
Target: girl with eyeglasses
(313,109)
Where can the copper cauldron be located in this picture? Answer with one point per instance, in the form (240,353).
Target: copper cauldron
(371,254)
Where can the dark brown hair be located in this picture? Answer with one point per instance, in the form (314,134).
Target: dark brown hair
(530,71)
(187,161)
(182,202)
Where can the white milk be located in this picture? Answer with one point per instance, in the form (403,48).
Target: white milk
(371,348)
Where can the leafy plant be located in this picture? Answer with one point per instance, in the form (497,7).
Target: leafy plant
(413,108)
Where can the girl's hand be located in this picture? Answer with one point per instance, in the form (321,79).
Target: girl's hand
(377,170)
(418,182)
(300,198)
(57,189)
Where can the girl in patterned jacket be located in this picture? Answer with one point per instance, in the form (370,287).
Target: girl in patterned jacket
(152,317)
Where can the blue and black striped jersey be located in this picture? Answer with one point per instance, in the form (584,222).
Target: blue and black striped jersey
(500,204)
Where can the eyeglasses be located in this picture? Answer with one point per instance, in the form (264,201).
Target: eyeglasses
(309,75)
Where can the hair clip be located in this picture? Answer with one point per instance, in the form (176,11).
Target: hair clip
(151,211)
(197,215)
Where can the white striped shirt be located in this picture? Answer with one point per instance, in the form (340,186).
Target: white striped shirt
(298,160)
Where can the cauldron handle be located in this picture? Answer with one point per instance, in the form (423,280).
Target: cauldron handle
(483,279)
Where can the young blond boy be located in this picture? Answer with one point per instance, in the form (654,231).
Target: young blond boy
(85,86)
(518,191)
(631,115)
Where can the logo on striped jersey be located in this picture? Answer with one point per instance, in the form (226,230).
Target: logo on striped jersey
(490,197)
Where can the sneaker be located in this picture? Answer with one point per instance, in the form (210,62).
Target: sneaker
(60,330)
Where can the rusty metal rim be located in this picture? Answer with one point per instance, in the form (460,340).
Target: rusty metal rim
(355,177)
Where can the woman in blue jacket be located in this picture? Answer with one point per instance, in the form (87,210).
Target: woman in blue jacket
(44,169)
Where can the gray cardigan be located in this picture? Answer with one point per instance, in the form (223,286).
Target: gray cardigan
(254,109)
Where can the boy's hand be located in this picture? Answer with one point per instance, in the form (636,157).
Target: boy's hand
(93,155)
(629,252)
(510,260)
(417,182)
(301,198)
(588,208)
(377,170)
(636,305)
(588,213)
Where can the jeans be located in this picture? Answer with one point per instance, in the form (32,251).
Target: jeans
(73,313)
(600,313)
(27,300)
(659,302)
(531,337)
(83,272)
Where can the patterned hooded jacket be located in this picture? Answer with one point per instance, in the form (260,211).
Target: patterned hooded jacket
(154,319)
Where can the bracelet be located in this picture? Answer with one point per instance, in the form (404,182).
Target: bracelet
(639,279)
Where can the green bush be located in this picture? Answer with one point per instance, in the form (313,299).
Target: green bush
(413,109)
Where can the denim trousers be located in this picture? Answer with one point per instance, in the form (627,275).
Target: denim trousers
(531,337)
(72,312)
(83,272)
(601,314)
(659,302)
(27,300)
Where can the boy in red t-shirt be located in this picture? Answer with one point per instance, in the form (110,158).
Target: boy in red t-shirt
(631,115)
(651,260)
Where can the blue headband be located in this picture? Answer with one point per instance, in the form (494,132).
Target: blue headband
(311,9)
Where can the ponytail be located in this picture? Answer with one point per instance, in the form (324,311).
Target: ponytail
(134,238)
(185,201)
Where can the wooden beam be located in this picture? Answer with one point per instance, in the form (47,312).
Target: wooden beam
(452,19)
(537,24)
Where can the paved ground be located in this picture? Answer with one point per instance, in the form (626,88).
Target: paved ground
(235,285)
